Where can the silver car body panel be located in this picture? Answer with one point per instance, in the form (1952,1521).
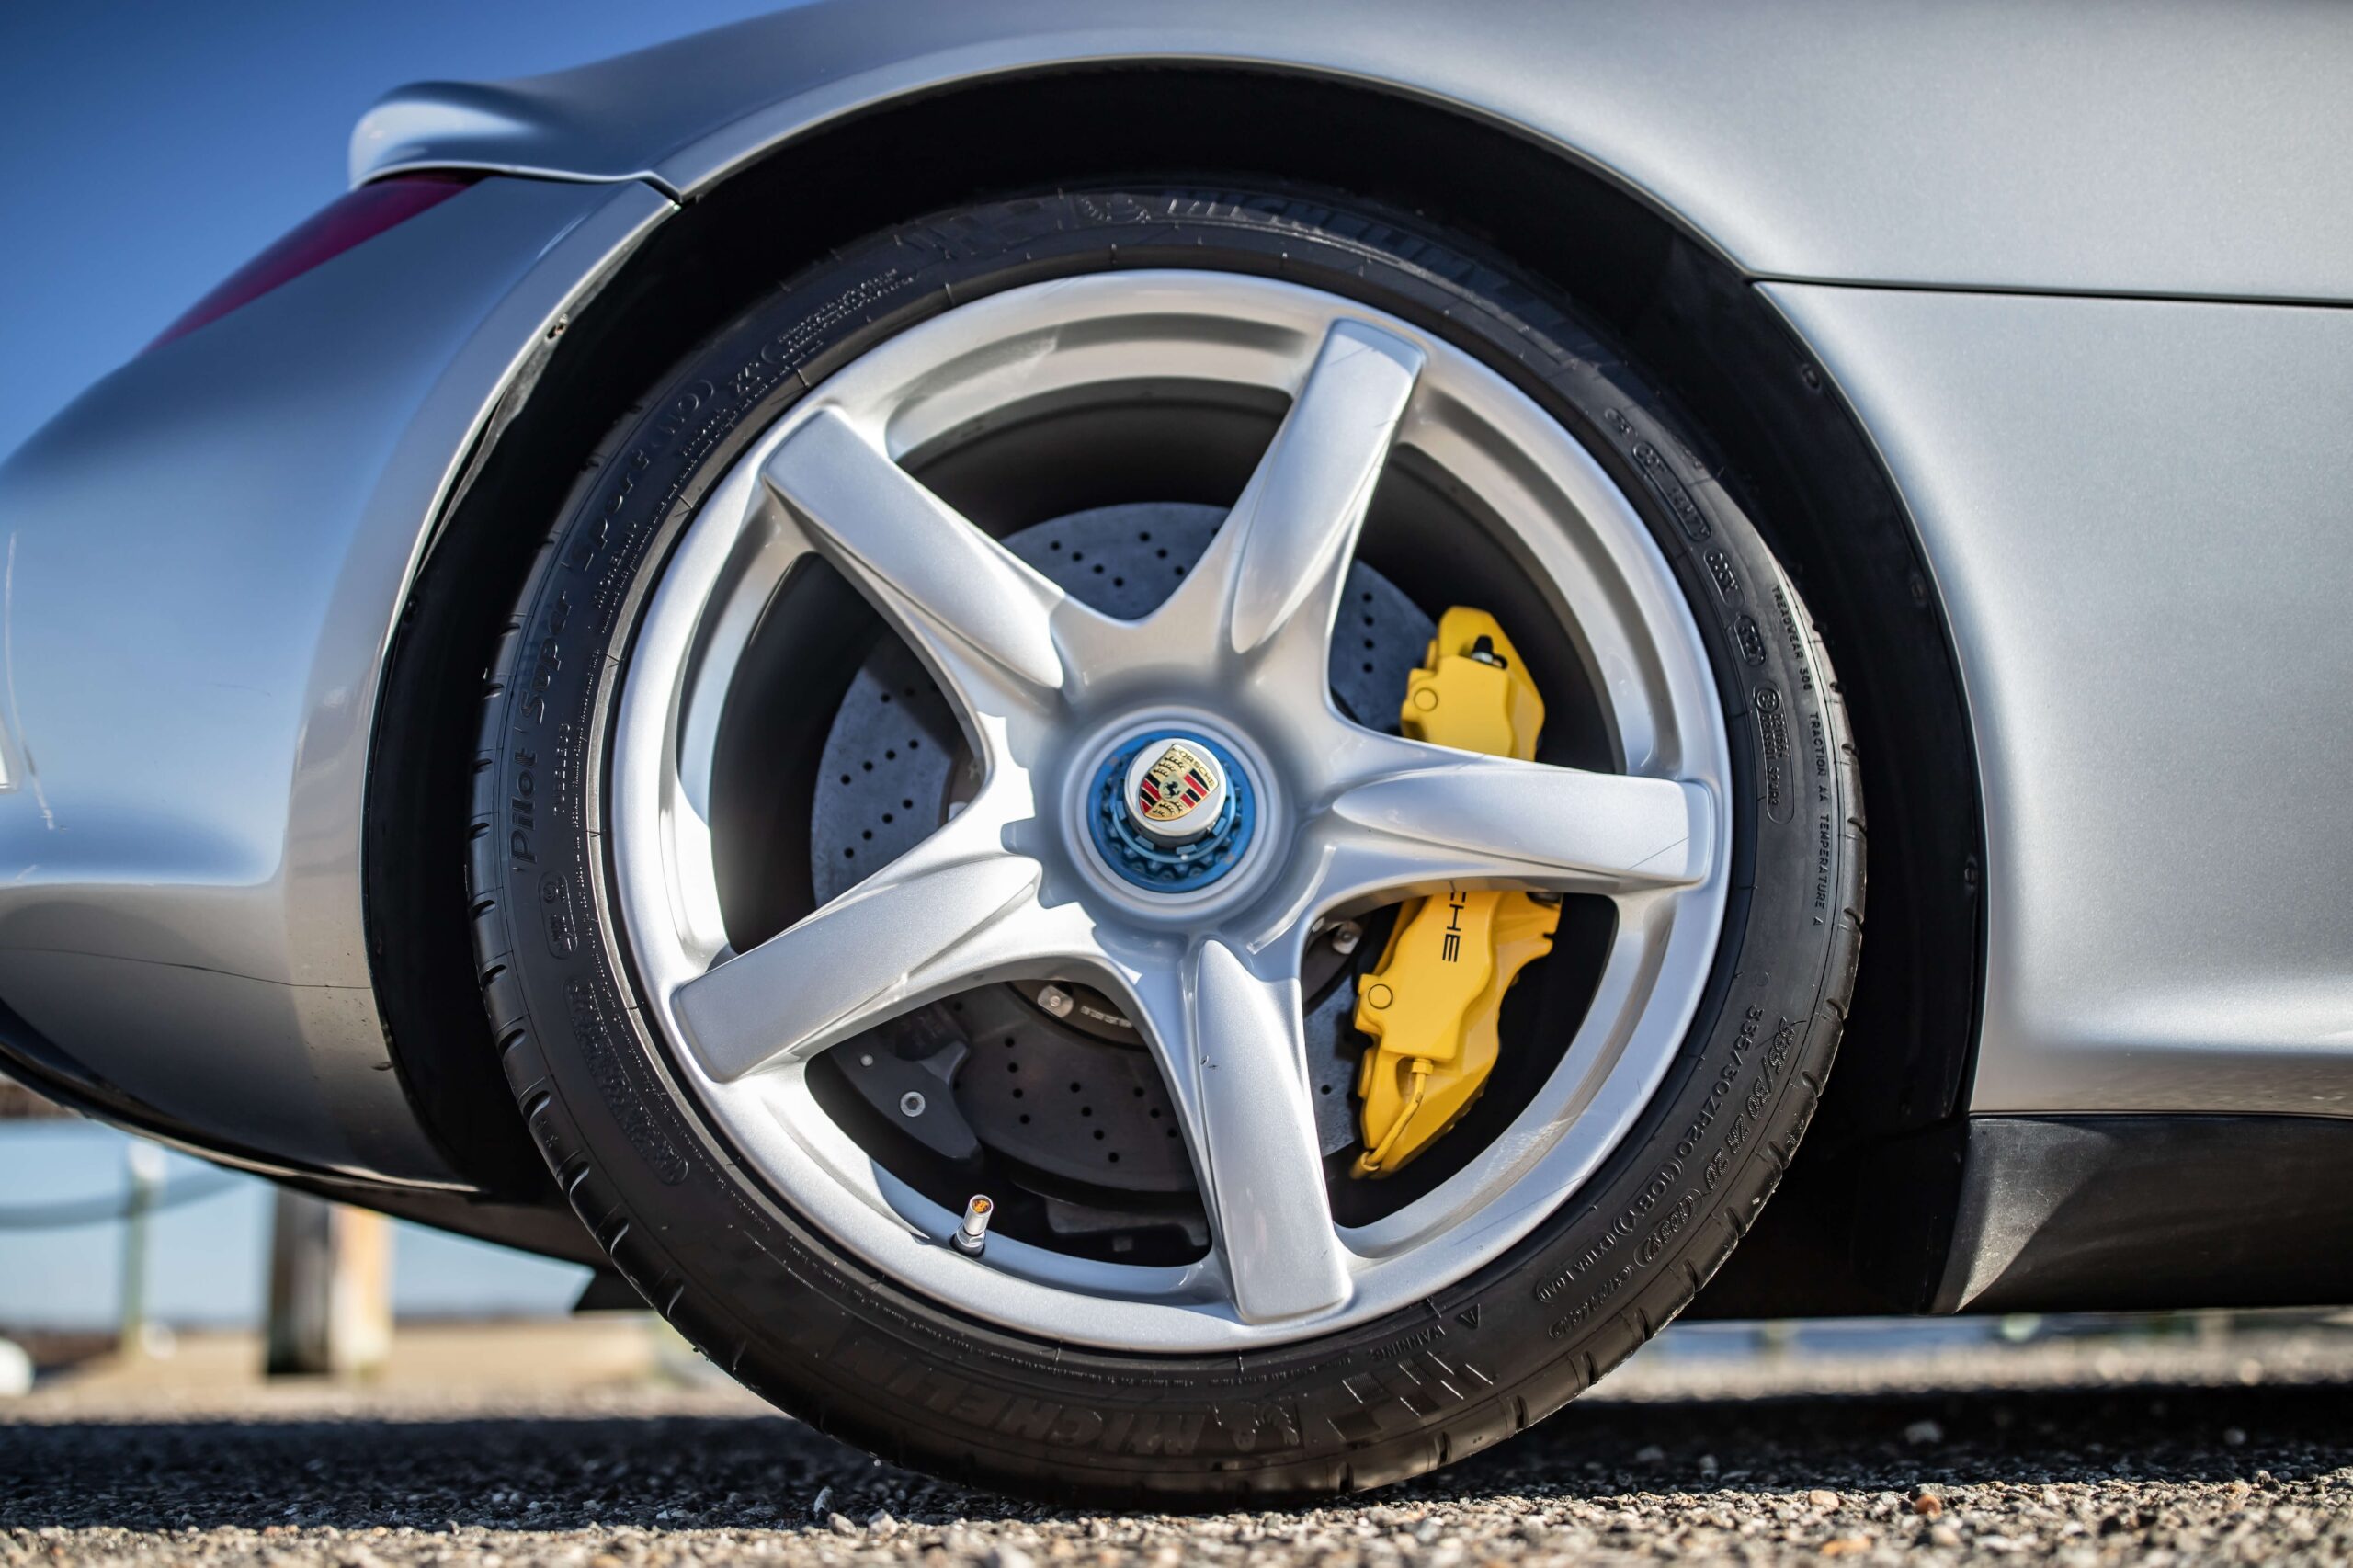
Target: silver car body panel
(208,554)
(2176,148)
(205,558)
(2144,768)
(2138,514)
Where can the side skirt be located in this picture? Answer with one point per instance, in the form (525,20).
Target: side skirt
(2117,1214)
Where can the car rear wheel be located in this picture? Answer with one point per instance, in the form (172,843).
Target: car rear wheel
(953,889)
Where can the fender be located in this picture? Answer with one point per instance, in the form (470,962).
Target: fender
(2104,147)
(208,554)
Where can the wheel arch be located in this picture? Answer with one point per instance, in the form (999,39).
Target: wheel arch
(1786,445)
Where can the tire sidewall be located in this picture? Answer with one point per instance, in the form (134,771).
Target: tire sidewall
(813,1328)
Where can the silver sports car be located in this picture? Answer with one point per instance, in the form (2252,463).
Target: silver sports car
(1134,744)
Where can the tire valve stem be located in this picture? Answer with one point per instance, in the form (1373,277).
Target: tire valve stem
(974,1234)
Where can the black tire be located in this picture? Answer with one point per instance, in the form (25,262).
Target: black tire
(812,1328)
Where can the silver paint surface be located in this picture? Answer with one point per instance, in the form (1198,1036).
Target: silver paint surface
(206,553)
(2130,508)
(2139,514)
(2190,147)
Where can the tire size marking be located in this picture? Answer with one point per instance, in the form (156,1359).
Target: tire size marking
(621,1098)
(1678,1215)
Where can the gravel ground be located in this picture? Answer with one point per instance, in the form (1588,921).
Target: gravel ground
(2149,1453)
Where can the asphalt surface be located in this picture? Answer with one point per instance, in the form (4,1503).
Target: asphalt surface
(2149,1453)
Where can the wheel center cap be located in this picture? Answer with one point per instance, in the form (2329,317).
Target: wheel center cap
(1174,790)
(1171,811)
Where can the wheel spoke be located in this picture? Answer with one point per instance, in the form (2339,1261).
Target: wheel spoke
(949,914)
(1230,1045)
(1278,564)
(950,587)
(1435,815)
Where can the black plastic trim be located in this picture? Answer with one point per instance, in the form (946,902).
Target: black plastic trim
(2126,1213)
(549,1229)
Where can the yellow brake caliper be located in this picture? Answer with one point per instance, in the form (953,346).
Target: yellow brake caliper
(1432,1002)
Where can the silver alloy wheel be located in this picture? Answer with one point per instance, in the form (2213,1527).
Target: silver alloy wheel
(1047,688)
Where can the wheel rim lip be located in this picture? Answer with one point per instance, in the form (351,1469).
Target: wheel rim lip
(1252,333)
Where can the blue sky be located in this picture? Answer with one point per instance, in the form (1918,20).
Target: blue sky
(146,150)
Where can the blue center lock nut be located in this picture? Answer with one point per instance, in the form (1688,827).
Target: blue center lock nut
(1171,813)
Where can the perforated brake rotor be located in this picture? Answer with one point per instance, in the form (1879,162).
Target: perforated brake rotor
(1074,1096)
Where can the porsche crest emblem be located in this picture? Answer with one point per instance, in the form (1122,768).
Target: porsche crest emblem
(1179,779)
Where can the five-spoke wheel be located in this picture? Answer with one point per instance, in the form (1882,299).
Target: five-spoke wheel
(1349,817)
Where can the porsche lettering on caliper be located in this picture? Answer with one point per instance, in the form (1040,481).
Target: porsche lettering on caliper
(1432,1003)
